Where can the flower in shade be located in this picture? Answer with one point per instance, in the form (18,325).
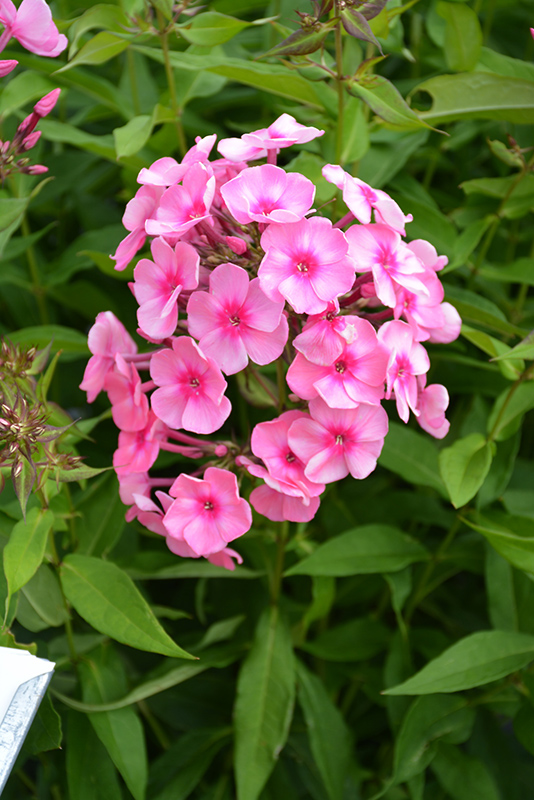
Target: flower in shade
(129,402)
(236,320)
(138,210)
(278,506)
(191,393)
(207,514)
(107,337)
(432,403)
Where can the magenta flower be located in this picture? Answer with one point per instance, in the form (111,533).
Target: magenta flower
(357,376)
(278,507)
(432,403)
(107,337)
(268,194)
(192,388)
(379,249)
(283,132)
(129,404)
(407,359)
(207,514)
(306,263)
(7,66)
(182,207)
(360,198)
(324,336)
(158,284)
(236,320)
(32,25)
(167,171)
(138,210)
(138,450)
(334,442)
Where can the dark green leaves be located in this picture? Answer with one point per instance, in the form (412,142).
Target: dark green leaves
(464,467)
(411,455)
(24,552)
(107,598)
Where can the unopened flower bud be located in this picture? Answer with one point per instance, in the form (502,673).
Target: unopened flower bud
(30,141)
(7,66)
(221,450)
(236,244)
(35,169)
(47,103)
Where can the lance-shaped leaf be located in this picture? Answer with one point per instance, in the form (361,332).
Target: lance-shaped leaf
(386,101)
(372,9)
(24,552)
(464,467)
(525,349)
(23,475)
(306,40)
(356,25)
(108,600)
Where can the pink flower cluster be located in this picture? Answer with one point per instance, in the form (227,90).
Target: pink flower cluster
(243,272)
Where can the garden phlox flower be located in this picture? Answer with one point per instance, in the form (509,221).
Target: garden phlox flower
(192,388)
(183,206)
(129,404)
(432,402)
(207,514)
(324,336)
(158,284)
(138,450)
(407,360)
(235,320)
(138,210)
(107,337)
(32,25)
(167,171)
(306,263)
(268,194)
(283,132)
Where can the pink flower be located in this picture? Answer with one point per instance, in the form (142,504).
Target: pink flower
(182,207)
(449,329)
(158,284)
(268,194)
(236,320)
(432,403)
(279,507)
(7,66)
(378,248)
(360,198)
(208,513)
(129,403)
(324,336)
(283,132)
(167,171)
(107,337)
(334,442)
(427,254)
(192,388)
(357,376)
(306,263)
(138,210)
(407,360)
(32,25)
(138,450)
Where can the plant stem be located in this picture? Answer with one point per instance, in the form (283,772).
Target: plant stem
(523,377)
(164,36)
(281,541)
(340,90)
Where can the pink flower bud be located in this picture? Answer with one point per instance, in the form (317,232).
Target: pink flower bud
(47,103)
(7,66)
(27,125)
(36,169)
(221,450)
(31,140)
(236,244)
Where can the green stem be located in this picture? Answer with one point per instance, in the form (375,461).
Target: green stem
(523,377)
(133,82)
(339,82)
(280,374)
(281,541)
(164,36)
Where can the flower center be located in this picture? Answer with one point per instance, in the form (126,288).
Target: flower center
(234,320)
(194,383)
(290,457)
(341,367)
(208,505)
(301,267)
(339,439)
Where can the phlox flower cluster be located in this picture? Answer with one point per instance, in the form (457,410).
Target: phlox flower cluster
(244,273)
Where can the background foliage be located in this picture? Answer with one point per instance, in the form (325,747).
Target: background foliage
(393,659)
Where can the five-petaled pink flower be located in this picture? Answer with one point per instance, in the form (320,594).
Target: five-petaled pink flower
(268,194)
(407,360)
(184,206)
(107,337)
(283,132)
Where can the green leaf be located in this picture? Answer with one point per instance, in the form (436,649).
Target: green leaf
(464,777)
(12,210)
(524,727)
(477,659)
(516,192)
(79,473)
(478,309)
(467,241)
(412,456)
(179,771)
(525,349)
(302,42)
(264,704)
(356,640)
(464,467)
(98,50)
(329,735)
(386,101)
(356,25)
(133,136)
(463,36)
(478,95)
(368,549)
(101,517)
(25,550)
(56,131)
(509,409)
(43,593)
(45,732)
(510,536)
(511,368)
(110,18)
(102,678)
(210,28)
(90,771)
(65,339)
(520,271)
(24,88)
(108,600)
(310,165)
(428,720)
(502,606)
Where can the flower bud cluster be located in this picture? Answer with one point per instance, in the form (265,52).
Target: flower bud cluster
(243,273)
(13,156)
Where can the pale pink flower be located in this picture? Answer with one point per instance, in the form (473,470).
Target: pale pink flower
(357,375)
(138,450)
(407,360)
(107,337)
(236,320)
(361,198)
(427,254)
(7,66)
(422,312)
(306,263)
(268,194)
(333,442)
(184,206)
(449,330)
(278,507)
(192,388)
(283,132)
(324,336)
(167,171)
(132,483)
(137,211)
(129,402)
(379,249)
(208,513)
(158,284)
(32,25)
(432,403)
